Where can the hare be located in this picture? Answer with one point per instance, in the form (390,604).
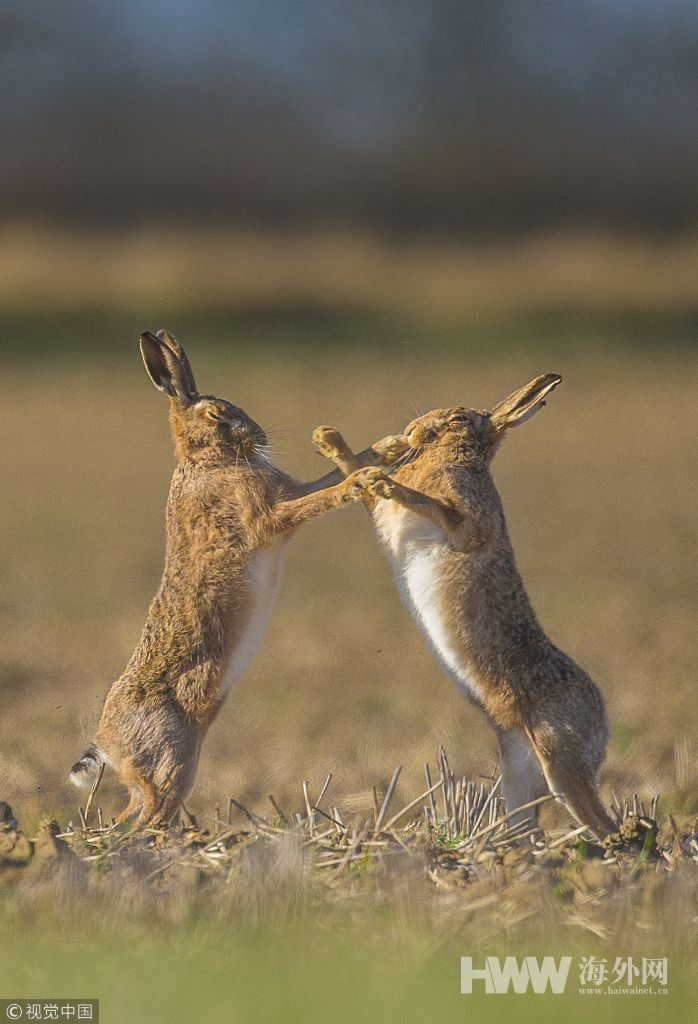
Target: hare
(441,519)
(230,513)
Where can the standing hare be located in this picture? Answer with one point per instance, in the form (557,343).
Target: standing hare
(230,513)
(441,519)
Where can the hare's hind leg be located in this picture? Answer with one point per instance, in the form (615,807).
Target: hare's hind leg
(153,803)
(157,794)
(157,806)
(580,797)
(572,780)
(133,808)
(165,792)
(522,776)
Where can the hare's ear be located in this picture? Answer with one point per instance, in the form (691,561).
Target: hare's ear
(524,403)
(168,366)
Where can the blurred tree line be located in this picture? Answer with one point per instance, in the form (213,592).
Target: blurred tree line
(478,116)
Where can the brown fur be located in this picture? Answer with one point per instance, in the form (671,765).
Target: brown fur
(227,503)
(441,518)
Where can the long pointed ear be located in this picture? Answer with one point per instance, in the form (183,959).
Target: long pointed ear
(524,403)
(168,366)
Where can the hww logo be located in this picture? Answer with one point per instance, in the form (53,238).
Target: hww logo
(498,976)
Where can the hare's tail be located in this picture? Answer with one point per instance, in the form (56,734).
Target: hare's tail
(85,767)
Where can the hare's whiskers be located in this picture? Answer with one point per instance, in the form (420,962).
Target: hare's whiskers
(262,452)
(409,456)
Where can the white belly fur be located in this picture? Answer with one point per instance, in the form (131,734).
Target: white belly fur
(263,578)
(417,548)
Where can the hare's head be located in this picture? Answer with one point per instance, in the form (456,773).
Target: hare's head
(461,432)
(199,422)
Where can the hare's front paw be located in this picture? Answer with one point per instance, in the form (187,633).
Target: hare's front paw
(370,482)
(390,449)
(329,442)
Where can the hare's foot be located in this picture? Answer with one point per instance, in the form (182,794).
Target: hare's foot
(391,448)
(572,782)
(132,810)
(329,442)
(371,482)
(159,805)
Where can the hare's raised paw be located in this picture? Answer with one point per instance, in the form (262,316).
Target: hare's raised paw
(369,482)
(390,449)
(329,442)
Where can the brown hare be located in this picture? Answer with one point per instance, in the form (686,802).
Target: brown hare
(441,519)
(230,513)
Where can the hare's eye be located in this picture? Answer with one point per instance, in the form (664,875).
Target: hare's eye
(212,415)
(461,418)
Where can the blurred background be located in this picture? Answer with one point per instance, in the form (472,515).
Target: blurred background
(348,213)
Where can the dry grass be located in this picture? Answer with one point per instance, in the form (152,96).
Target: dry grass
(370,911)
(452,850)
